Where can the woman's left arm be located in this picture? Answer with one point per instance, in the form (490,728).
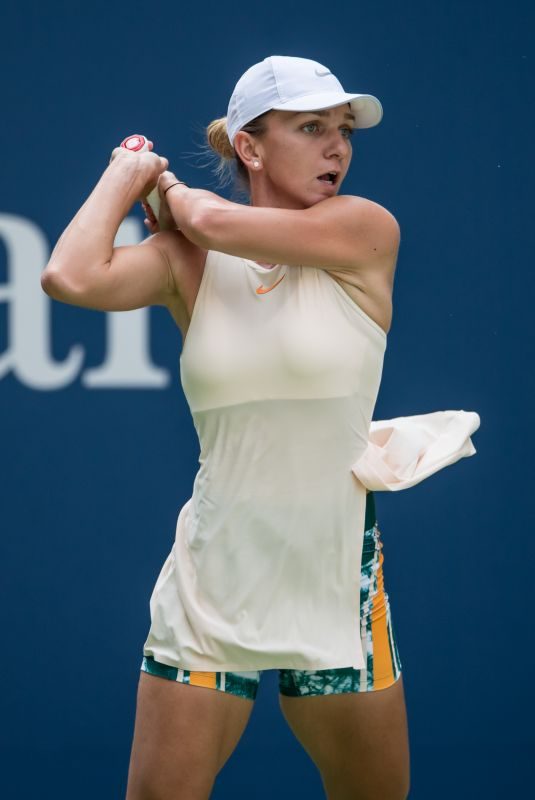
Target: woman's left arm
(338,232)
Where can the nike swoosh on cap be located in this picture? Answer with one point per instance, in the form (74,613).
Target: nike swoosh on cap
(321,73)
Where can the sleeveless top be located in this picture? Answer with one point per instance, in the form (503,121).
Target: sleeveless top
(281,371)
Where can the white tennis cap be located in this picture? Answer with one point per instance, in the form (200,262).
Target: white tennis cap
(288,83)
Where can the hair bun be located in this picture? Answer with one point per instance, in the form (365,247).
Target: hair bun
(217,136)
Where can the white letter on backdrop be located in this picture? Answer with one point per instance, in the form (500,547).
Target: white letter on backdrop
(29,328)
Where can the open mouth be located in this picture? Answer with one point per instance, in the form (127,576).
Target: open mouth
(329,177)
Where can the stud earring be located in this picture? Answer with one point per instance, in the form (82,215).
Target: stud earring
(256,164)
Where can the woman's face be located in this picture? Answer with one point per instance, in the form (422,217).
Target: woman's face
(298,152)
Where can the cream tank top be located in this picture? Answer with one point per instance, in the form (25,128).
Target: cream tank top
(281,371)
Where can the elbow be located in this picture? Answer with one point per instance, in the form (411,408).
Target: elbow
(56,285)
(50,280)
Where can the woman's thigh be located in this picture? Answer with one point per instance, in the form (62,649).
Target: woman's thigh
(353,722)
(358,741)
(183,735)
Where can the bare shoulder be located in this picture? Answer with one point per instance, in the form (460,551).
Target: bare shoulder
(370,283)
(367,217)
(186,266)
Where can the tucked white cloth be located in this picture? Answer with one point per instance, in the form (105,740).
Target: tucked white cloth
(403,451)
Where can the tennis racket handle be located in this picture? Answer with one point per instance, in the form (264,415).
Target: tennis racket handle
(153,199)
(139,144)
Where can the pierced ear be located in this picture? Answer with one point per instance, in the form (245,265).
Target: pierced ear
(246,148)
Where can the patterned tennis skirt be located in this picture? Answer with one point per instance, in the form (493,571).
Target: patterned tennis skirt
(383,665)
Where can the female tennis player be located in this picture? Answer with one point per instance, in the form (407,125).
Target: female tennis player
(284,306)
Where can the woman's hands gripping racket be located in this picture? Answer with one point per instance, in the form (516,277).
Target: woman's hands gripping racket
(158,215)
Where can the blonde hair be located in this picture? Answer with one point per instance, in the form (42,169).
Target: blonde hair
(230,163)
(217,136)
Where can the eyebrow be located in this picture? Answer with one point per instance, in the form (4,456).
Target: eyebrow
(324,114)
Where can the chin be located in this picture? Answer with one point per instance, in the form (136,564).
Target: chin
(308,197)
(323,196)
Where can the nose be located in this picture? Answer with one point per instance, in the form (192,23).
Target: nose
(337,146)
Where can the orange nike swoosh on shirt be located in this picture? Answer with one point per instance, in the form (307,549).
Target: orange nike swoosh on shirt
(264,289)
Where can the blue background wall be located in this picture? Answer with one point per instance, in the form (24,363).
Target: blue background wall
(93,476)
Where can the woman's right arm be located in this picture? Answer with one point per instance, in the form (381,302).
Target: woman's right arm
(86,270)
